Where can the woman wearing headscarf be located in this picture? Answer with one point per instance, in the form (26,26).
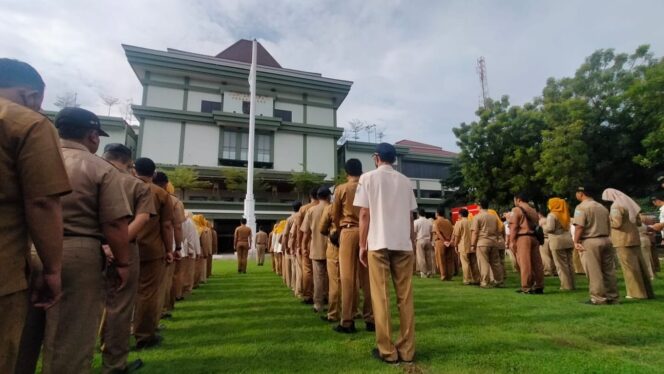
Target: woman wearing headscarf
(556,226)
(626,239)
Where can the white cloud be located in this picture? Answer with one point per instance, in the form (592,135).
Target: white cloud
(413,62)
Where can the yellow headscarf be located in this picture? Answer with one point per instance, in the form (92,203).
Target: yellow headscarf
(170,189)
(200,222)
(559,208)
(501,227)
(281,226)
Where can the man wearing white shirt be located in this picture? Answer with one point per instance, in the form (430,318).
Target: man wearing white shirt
(386,201)
(423,233)
(191,248)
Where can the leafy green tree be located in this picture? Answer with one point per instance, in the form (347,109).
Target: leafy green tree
(304,181)
(184,178)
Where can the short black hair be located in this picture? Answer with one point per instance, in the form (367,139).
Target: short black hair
(353,167)
(73,132)
(243,221)
(440,210)
(314,193)
(483,203)
(463,212)
(296,205)
(15,73)
(160,178)
(145,167)
(117,152)
(658,196)
(323,193)
(260,228)
(522,196)
(421,212)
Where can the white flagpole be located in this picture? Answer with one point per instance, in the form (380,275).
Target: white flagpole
(249,203)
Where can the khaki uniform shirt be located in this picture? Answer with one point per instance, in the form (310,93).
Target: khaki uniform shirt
(151,246)
(215,242)
(138,195)
(624,233)
(326,225)
(98,194)
(178,211)
(298,228)
(310,225)
(242,234)
(261,238)
(519,224)
(444,226)
(31,166)
(389,196)
(461,235)
(206,242)
(559,237)
(484,228)
(344,213)
(594,218)
(290,222)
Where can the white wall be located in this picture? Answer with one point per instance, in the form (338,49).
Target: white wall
(161,141)
(296,109)
(320,116)
(288,152)
(201,145)
(233,103)
(321,152)
(207,84)
(166,78)
(162,97)
(364,157)
(195,98)
(116,135)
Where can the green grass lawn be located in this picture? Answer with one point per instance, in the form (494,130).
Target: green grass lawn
(250,323)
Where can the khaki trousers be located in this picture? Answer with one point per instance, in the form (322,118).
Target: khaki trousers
(166,285)
(178,280)
(116,324)
(197,272)
(384,263)
(11,325)
(513,260)
(208,273)
(68,330)
(320,283)
(297,267)
(260,248)
(530,263)
(647,257)
(444,260)
(187,276)
(334,290)
(274,263)
(424,257)
(635,272)
(278,258)
(146,318)
(242,253)
(286,268)
(598,260)
(547,259)
(471,272)
(488,261)
(307,277)
(353,276)
(564,264)
(578,265)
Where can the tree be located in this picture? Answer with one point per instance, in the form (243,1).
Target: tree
(304,181)
(355,127)
(235,179)
(184,178)
(66,100)
(109,101)
(127,111)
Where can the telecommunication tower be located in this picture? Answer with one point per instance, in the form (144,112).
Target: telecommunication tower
(484,82)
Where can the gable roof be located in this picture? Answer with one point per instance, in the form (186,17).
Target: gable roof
(422,148)
(241,51)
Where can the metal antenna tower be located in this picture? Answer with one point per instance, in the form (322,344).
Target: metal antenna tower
(484,81)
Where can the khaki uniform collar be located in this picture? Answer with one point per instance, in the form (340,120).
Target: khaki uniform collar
(65,143)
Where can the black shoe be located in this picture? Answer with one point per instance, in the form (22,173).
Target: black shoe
(345,330)
(371,327)
(538,291)
(376,354)
(166,315)
(150,343)
(133,366)
(308,301)
(324,318)
(315,310)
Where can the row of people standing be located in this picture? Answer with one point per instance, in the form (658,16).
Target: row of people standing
(104,240)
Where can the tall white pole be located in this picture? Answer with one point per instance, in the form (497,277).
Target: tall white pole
(249,203)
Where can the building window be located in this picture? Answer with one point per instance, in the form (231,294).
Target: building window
(235,149)
(210,106)
(245,107)
(285,115)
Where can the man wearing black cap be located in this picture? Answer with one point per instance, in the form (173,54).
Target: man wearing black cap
(96,212)
(387,242)
(116,326)
(317,247)
(155,247)
(346,218)
(33,179)
(591,238)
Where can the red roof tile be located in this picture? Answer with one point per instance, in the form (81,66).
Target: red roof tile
(417,147)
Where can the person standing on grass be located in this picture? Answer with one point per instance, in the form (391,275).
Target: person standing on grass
(318,245)
(591,238)
(241,244)
(387,241)
(484,240)
(461,240)
(443,248)
(261,245)
(423,229)
(523,221)
(557,226)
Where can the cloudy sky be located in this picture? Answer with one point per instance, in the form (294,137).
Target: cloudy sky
(413,62)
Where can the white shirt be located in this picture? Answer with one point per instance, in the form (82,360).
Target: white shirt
(192,243)
(423,228)
(389,196)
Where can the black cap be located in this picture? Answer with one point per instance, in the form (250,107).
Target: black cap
(118,148)
(386,152)
(324,192)
(77,117)
(586,189)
